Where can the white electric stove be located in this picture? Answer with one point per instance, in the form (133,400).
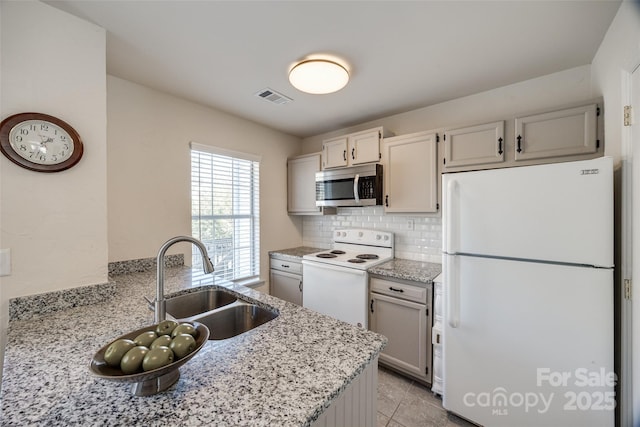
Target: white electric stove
(335,281)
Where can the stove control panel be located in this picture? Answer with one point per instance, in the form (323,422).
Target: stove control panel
(364,237)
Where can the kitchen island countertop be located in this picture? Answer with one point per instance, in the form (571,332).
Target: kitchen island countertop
(285,372)
(405,269)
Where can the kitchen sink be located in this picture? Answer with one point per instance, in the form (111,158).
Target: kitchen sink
(222,312)
(194,303)
(235,320)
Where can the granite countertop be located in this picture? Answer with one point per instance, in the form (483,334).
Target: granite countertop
(284,373)
(295,253)
(416,271)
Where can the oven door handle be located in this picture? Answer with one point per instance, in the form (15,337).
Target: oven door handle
(355,188)
(353,271)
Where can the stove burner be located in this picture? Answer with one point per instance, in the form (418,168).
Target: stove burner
(356,260)
(338,252)
(367,256)
(327,256)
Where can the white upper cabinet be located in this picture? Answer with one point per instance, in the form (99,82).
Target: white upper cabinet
(334,152)
(410,174)
(474,145)
(365,147)
(301,184)
(559,133)
(352,149)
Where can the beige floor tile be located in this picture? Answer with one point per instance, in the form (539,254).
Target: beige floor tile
(417,413)
(392,389)
(383,420)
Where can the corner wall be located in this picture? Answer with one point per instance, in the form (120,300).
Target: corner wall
(54,223)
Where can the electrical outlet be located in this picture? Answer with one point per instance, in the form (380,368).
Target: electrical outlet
(410,224)
(5,262)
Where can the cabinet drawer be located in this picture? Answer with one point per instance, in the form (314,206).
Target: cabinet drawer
(284,265)
(399,290)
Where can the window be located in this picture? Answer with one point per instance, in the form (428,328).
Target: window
(225,210)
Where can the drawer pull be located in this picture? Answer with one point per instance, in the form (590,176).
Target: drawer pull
(391,288)
(284,265)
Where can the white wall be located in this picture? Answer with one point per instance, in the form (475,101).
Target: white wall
(424,242)
(149,175)
(55,224)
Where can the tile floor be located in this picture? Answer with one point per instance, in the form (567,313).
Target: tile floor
(403,402)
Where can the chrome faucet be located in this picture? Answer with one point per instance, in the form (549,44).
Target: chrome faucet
(160,303)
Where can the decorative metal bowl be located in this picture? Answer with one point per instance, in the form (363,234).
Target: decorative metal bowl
(148,382)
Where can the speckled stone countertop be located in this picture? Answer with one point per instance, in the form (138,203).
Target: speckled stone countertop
(295,253)
(417,271)
(283,373)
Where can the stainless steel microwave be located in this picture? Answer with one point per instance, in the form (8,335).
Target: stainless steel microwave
(352,186)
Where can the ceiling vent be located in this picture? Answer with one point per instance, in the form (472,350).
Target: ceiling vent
(273,96)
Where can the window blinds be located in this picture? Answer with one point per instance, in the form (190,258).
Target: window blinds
(225,210)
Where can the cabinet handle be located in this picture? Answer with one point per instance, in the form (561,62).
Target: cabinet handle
(386,200)
(353,153)
(371,306)
(284,265)
(519,138)
(300,286)
(344,155)
(499,145)
(391,288)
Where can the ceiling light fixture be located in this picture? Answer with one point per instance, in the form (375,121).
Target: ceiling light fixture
(318,76)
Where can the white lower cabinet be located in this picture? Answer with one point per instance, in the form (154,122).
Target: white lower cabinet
(400,310)
(286,280)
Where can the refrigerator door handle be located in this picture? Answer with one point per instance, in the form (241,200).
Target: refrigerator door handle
(452,290)
(451,228)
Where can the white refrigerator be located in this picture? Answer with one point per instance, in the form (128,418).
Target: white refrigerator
(528,282)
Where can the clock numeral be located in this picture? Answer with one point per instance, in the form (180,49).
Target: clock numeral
(32,127)
(54,158)
(63,137)
(44,127)
(43,157)
(66,146)
(18,138)
(62,153)
(24,131)
(23,147)
(31,154)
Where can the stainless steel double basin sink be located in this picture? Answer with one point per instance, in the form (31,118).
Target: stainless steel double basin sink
(222,312)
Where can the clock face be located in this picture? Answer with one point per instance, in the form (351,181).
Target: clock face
(41,142)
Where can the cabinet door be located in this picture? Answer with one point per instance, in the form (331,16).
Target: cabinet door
(301,184)
(364,147)
(404,323)
(286,286)
(411,173)
(558,133)
(334,153)
(474,145)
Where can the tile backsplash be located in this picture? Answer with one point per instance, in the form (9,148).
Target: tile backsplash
(417,237)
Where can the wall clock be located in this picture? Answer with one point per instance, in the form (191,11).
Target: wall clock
(40,142)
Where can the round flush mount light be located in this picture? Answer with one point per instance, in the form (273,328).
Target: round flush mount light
(318,76)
